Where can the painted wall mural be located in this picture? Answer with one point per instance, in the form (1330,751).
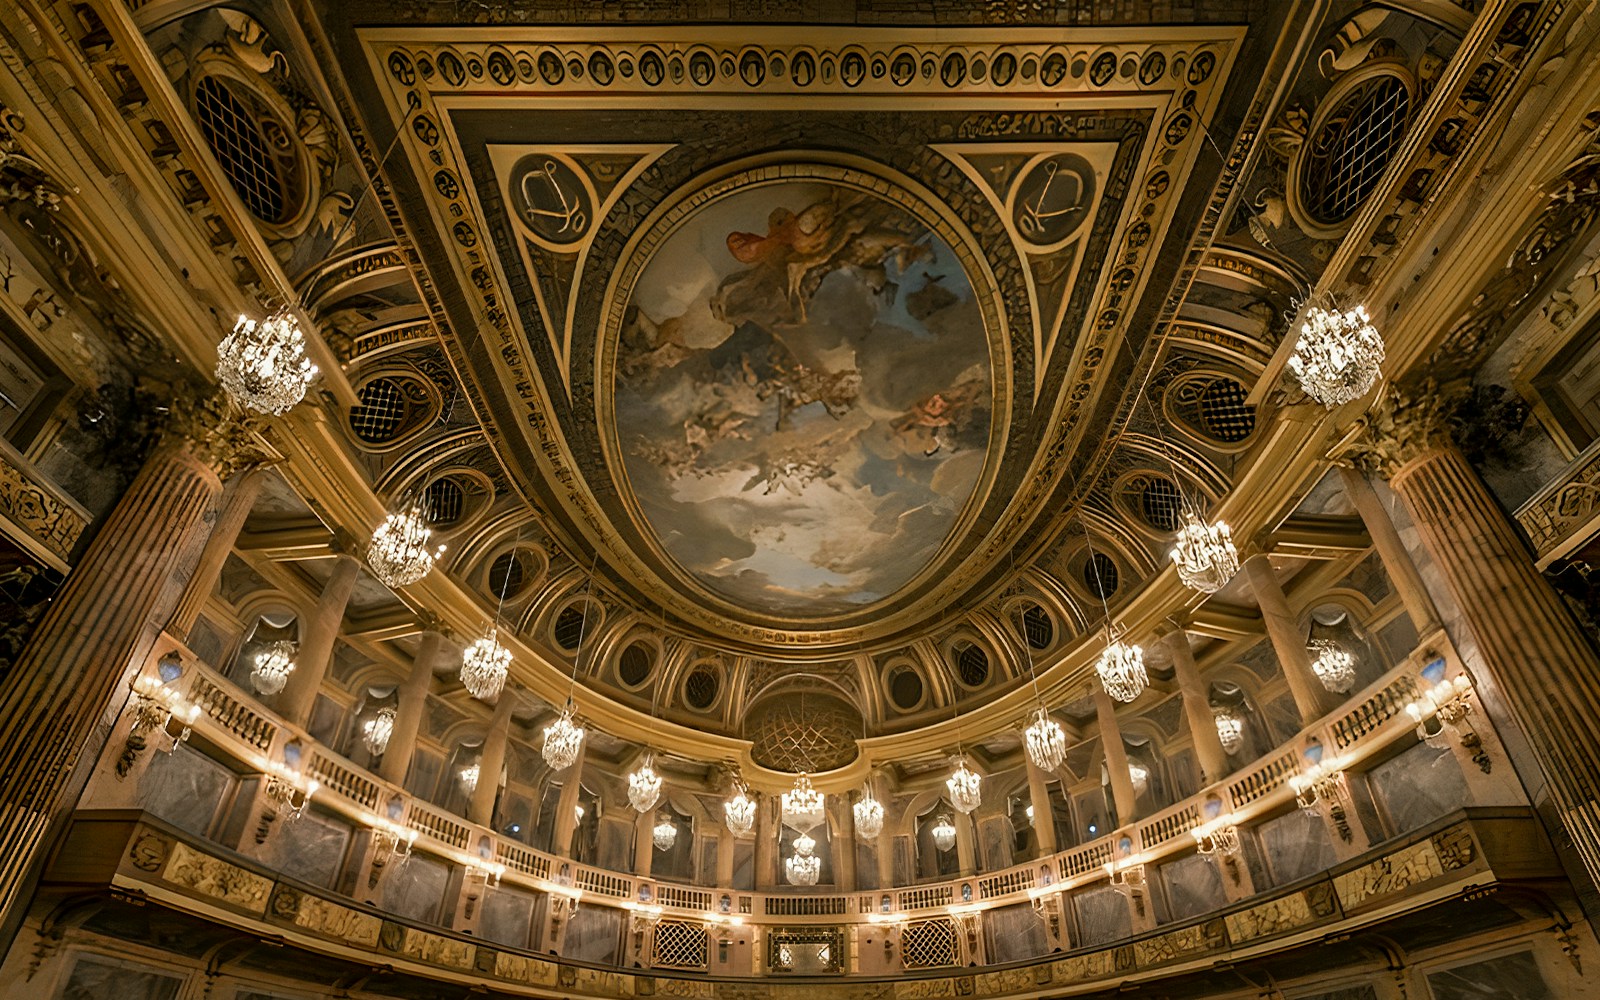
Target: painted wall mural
(803,396)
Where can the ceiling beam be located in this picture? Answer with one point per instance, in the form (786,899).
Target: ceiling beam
(1314,536)
(305,539)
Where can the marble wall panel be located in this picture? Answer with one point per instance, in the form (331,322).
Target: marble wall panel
(595,935)
(1296,844)
(1015,934)
(184,788)
(95,977)
(1416,787)
(415,889)
(507,916)
(1103,916)
(311,848)
(1513,977)
(1194,886)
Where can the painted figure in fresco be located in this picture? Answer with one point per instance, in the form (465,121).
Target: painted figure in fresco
(800,249)
(935,422)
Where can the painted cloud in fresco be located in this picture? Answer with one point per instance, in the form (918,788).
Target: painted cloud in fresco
(803,396)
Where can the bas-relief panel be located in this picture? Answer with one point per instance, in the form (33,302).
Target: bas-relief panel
(803,396)
(212,877)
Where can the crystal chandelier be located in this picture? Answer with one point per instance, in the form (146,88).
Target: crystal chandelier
(398,555)
(1337,356)
(966,791)
(1139,776)
(740,812)
(484,665)
(263,365)
(644,785)
(1230,730)
(802,805)
(563,739)
(375,732)
(803,867)
(469,778)
(944,833)
(1334,666)
(665,834)
(1204,554)
(274,664)
(869,816)
(1045,740)
(1121,667)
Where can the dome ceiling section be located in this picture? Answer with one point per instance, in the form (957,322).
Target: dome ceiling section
(805,366)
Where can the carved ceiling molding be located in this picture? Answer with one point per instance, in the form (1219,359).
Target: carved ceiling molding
(437,77)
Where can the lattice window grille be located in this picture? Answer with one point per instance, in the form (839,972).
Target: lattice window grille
(1351,148)
(235,135)
(508,574)
(1158,501)
(383,409)
(569,628)
(445,501)
(1223,412)
(635,664)
(928,944)
(972,663)
(700,688)
(1038,629)
(1100,575)
(680,945)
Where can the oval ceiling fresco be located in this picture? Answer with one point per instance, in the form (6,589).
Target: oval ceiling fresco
(803,396)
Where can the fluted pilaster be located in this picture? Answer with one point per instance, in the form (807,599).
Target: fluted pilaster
(103,621)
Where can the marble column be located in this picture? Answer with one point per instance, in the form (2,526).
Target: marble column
(316,642)
(843,833)
(231,515)
(72,676)
(1287,641)
(966,825)
(409,710)
(1208,750)
(1391,551)
(1122,792)
(1540,662)
(644,845)
(566,823)
(491,761)
(768,830)
(1044,816)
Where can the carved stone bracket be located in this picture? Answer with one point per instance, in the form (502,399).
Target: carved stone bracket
(22,178)
(221,435)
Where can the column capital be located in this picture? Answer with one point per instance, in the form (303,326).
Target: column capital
(219,434)
(1406,421)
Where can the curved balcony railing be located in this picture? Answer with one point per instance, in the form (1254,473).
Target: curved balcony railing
(1372,724)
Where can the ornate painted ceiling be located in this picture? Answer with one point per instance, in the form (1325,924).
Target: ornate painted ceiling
(805,335)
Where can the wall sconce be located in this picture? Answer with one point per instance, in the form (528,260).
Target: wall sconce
(390,841)
(1444,705)
(1220,836)
(154,707)
(1323,784)
(288,792)
(480,875)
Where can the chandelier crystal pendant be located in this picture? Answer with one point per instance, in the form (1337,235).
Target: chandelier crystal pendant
(665,834)
(1121,667)
(375,732)
(563,739)
(1333,665)
(262,364)
(868,815)
(273,666)
(802,805)
(966,788)
(1045,740)
(803,867)
(1338,355)
(644,785)
(944,833)
(1230,730)
(398,555)
(740,812)
(1204,554)
(484,665)
(468,776)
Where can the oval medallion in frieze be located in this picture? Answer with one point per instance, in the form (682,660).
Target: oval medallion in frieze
(802,389)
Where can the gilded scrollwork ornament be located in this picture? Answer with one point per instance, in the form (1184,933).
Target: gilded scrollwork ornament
(1405,422)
